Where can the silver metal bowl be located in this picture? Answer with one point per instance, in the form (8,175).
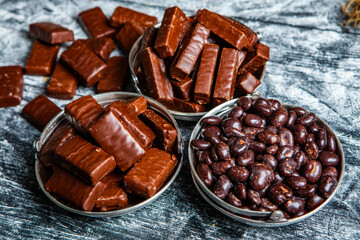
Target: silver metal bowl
(43,173)
(275,218)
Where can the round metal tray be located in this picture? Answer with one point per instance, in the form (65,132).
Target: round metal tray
(43,173)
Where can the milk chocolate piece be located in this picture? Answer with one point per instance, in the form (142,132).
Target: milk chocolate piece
(159,86)
(165,133)
(170,32)
(222,28)
(138,105)
(72,189)
(205,74)
(116,77)
(85,160)
(51,33)
(12,85)
(95,23)
(84,63)
(147,40)
(40,111)
(123,15)
(226,76)
(150,173)
(62,84)
(183,89)
(102,47)
(183,106)
(189,52)
(246,84)
(255,59)
(111,133)
(128,35)
(42,58)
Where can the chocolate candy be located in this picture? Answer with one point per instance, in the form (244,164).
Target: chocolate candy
(255,59)
(150,173)
(183,89)
(72,189)
(40,111)
(62,84)
(102,47)
(51,33)
(42,58)
(184,106)
(138,105)
(116,77)
(149,38)
(95,23)
(83,63)
(128,35)
(123,15)
(246,84)
(12,85)
(111,133)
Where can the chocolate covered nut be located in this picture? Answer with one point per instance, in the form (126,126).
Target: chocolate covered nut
(253,120)
(138,105)
(102,47)
(270,160)
(222,187)
(321,138)
(220,168)
(123,15)
(331,146)
(300,133)
(286,137)
(307,119)
(312,171)
(299,111)
(279,193)
(223,151)
(257,147)
(205,174)
(268,137)
(50,32)
(328,158)
(238,174)
(314,201)
(310,138)
(279,117)
(291,119)
(330,171)
(311,150)
(116,77)
(244,102)
(240,191)
(200,145)
(204,157)
(308,191)
(294,205)
(265,203)
(253,196)
(301,158)
(236,113)
(233,200)
(240,146)
(255,59)
(271,150)
(296,183)
(327,186)
(287,167)
(62,84)
(128,35)
(284,152)
(184,89)
(261,175)
(12,85)
(211,121)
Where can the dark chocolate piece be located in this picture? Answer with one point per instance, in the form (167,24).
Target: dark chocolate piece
(84,63)
(255,59)
(72,189)
(111,133)
(116,77)
(123,15)
(246,84)
(12,85)
(150,173)
(102,47)
(138,105)
(51,33)
(95,23)
(40,111)
(62,84)
(183,89)
(184,106)
(42,59)
(128,35)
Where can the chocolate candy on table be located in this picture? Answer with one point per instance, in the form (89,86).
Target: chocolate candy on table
(42,59)
(255,59)
(12,85)
(184,106)
(40,111)
(51,33)
(102,47)
(128,35)
(62,84)
(138,105)
(70,188)
(150,173)
(246,84)
(88,67)
(95,23)
(184,89)
(123,15)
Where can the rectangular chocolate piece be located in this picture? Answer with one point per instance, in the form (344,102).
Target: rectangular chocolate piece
(12,85)
(226,76)
(84,63)
(150,173)
(246,84)
(102,47)
(42,58)
(111,134)
(72,189)
(138,105)
(189,52)
(116,77)
(165,133)
(183,89)
(205,74)
(222,28)
(170,32)
(123,15)
(255,59)
(147,40)
(159,86)
(85,160)
(40,111)
(95,23)
(51,33)
(184,106)
(128,35)
(62,84)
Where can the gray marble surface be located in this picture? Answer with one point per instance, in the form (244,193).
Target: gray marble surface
(314,64)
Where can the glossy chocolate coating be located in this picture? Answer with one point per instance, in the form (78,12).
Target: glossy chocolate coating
(116,77)
(246,84)
(42,58)
(123,15)
(12,85)
(102,47)
(255,59)
(149,37)
(183,106)
(150,173)
(62,84)
(184,89)
(128,35)
(51,33)
(138,105)
(95,23)
(88,67)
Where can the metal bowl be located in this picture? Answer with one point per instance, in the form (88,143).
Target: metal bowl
(276,218)
(43,173)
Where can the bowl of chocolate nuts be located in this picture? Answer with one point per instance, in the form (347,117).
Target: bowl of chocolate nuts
(264,163)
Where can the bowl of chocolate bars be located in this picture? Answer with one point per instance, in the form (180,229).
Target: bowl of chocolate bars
(191,65)
(108,154)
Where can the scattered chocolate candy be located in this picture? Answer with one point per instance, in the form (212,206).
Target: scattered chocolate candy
(51,33)
(12,85)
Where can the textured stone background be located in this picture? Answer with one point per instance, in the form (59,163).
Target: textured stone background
(314,64)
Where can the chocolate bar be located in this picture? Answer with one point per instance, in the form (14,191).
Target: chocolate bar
(95,23)
(123,15)
(138,105)
(51,33)
(150,173)
(62,84)
(111,134)
(12,85)
(72,189)
(184,106)
(226,76)
(183,89)
(147,40)
(255,59)
(205,74)
(42,58)
(246,84)
(40,111)
(116,77)
(170,32)
(241,58)
(102,47)
(84,63)
(128,35)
